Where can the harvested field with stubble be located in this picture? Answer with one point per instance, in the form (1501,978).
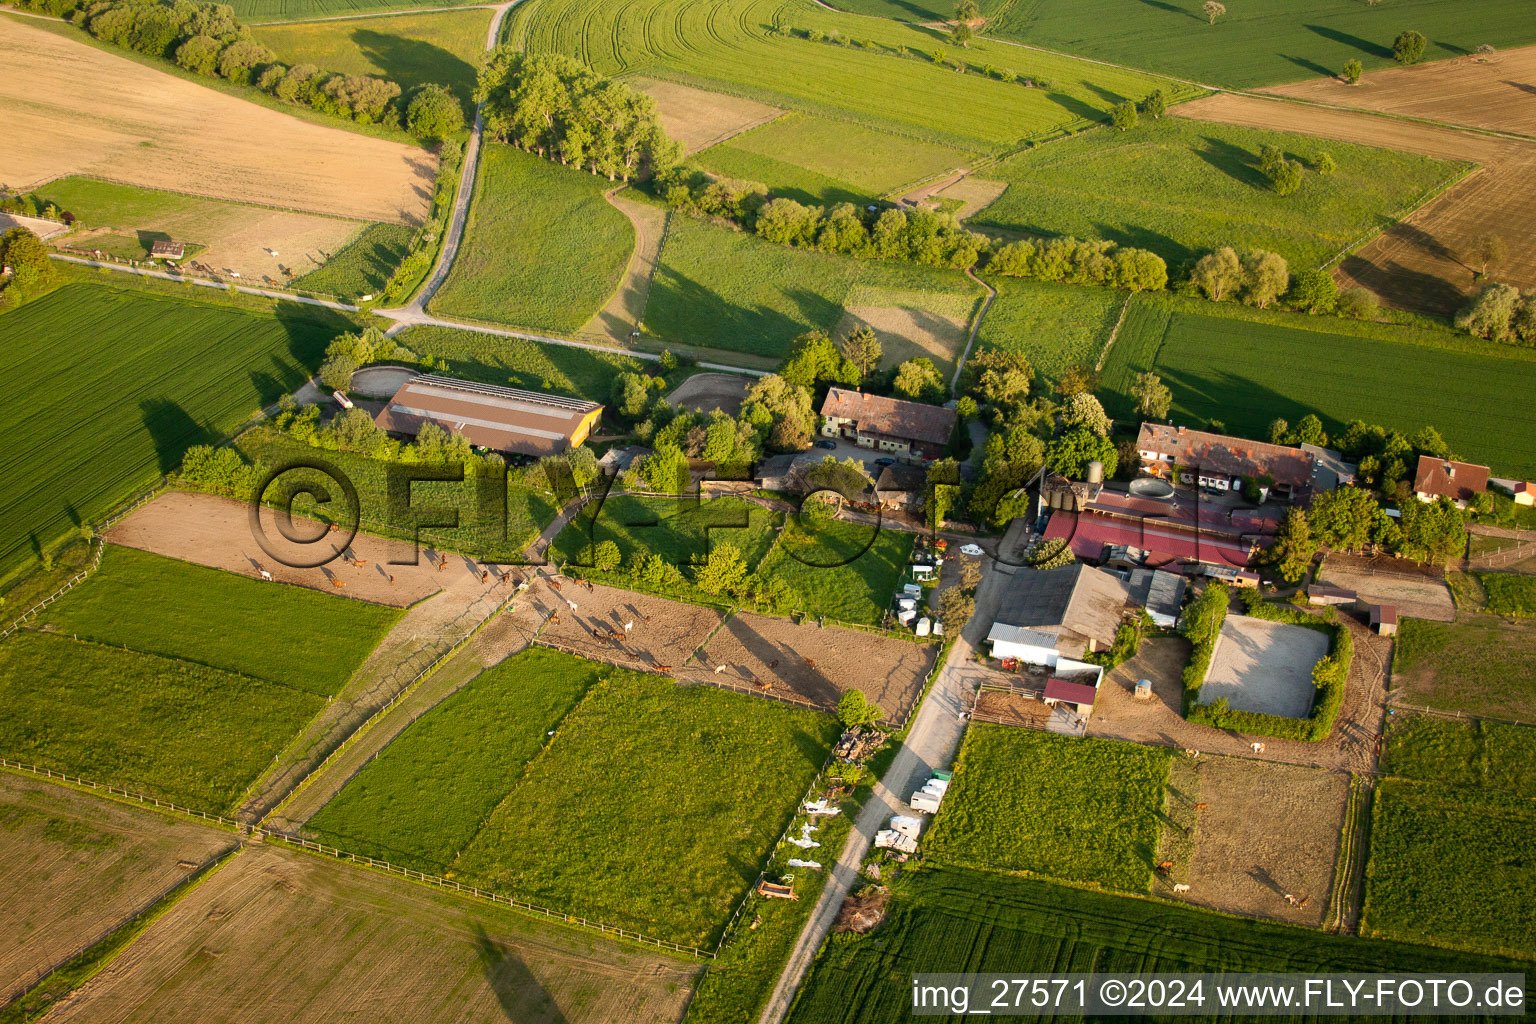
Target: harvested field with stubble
(310,940)
(665,634)
(817,663)
(70,108)
(1267,830)
(907,333)
(698,119)
(1424,262)
(77,865)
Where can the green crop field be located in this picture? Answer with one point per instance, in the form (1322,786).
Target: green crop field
(1478,665)
(1007,810)
(522,363)
(363,267)
(955,921)
(721,288)
(411,49)
(920,11)
(172,729)
(1509,594)
(542,247)
(479,534)
(102,390)
(1260,42)
(257,11)
(860,161)
(1451,866)
(653,807)
(1483,755)
(1057,326)
(428,792)
(844,571)
(1182,188)
(287,635)
(681,530)
(729,45)
(1226,364)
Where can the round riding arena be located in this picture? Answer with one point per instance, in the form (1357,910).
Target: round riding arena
(705,392)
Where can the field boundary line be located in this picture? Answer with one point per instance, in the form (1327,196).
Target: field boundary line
(1426,122)
(1113,334)
(970,342)
(1403,213)
(1461,716)
(204,282)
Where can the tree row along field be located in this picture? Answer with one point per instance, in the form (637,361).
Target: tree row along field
(614,795)
(174,680)
(1259,42)
(1245,368)
(727,45)
(102,391)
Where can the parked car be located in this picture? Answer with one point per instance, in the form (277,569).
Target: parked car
(829,445)
(885,462)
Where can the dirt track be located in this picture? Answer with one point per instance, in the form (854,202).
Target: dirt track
(1423,263)
(623,311)
(277,935)
(70,108)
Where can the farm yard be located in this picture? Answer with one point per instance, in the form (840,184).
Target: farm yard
(1259,43)
(104,389)
(946,919)
(1181,188)
(71,108)
(678,793)
(1008,811)
(1265,667)
(313,940)
(77,866)
(1238,368)
(542,247)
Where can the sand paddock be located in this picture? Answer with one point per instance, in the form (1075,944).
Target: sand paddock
(705,392)
(1264,666)
(1419,597)
(70,108)
(664,636)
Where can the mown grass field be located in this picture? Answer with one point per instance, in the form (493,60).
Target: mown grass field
(479,534)
(286,635)
(1451,866)
(173,729)
(1182,188)
(653,807)
(1008,810)
(722,288)
(951,920)
(429,791)
(681,530)
(1509,594)
(363,267)
(1244,368)
(862,161)
(412,49)
(1479,665)
(1262,42)
(1057,326)
(520,363)
(255,11)
(844,571)
(542,248)
(103,390)
(729,47)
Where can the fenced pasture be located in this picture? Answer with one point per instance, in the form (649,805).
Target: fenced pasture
(1263,42)
(1450,866)
(443,47)
(308,939)
(78,866)
(1057,326)
(1181,188)
(103,390)
(1011,807)
(1462,752)
(542,247)
(949,920)
(173,729)
(664,635)
(425,795)
(285,635)
(521,363)
(113,117)
(674,792)
(840,570)
(1477,665)
(731,46)
(910,325)
(1231,366)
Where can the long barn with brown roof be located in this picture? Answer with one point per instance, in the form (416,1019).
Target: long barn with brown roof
(893,425)
(498,418)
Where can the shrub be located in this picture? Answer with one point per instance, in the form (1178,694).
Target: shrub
(433,113)
(1201,625)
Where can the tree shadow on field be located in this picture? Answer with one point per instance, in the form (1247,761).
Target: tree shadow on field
(1107,95)
(1174,252)
(682,308)
(1363,45)
(1077,107)
(172,430)
(148,238)
(413,62)
(1233,161)
(1172,9)
(310,329)
(1311,65)
(523,999)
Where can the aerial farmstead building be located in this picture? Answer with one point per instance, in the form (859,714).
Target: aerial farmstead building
(910,430)
(1216,462)
(501,419)
(1442,478)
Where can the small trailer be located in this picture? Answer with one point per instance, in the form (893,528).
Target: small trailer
(342,400)
(777,890)
(925,802)
(907,825)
